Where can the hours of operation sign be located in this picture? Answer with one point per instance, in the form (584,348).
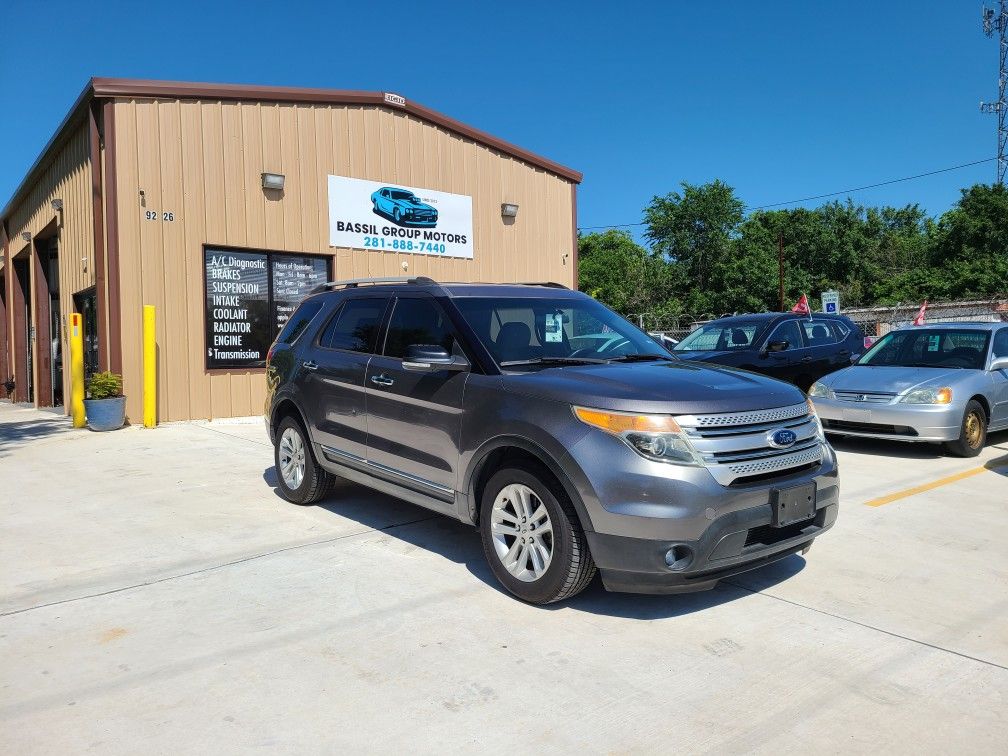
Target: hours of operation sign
(249,296)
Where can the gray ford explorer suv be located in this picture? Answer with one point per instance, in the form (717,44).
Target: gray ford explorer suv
(566,435)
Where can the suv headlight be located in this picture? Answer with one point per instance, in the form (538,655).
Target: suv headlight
(820,433)
(655,437)
(941,395)
(821,390)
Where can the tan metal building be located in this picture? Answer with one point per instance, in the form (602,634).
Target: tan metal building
(221,204)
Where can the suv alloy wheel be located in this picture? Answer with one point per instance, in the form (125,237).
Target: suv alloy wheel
(533,542)
(299,476)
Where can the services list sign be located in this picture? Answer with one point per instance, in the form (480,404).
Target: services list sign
(249,296)
(397,218)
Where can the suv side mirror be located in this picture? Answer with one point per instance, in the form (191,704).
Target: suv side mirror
(999,363)
(777,346)
(426,358)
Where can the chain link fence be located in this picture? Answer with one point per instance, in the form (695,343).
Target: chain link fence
(873,321)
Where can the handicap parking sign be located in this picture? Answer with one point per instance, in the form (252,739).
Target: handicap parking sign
(831,302)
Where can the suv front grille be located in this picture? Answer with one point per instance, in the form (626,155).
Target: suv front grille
(737,445)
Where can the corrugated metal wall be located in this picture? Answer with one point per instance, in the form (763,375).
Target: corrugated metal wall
(68,177)
(202,161)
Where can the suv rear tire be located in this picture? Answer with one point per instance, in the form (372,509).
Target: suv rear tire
(972,432)
(299,477)
(532,537)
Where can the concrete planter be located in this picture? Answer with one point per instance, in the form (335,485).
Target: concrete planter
(105,414)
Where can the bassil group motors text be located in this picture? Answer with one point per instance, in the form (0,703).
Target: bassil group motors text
(405,233)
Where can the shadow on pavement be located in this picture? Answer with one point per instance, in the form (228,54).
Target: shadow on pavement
(41,425)
(998,465)
(460,543)
(902,449)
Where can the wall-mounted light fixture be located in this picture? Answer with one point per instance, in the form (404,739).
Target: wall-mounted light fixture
(26,236)
(509,210)
(273,181)
(57,204)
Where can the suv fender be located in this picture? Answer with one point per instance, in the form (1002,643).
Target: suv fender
(285,404)
(482,455)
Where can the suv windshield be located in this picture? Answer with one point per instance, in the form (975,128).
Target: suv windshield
(523,331)
(721,336)
(930,347)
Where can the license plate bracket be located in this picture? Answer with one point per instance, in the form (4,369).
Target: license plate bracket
(791,505)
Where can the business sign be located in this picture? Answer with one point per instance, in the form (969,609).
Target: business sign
(249,296)
(831,302)
(398,218)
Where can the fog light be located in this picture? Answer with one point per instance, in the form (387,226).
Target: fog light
(679,557)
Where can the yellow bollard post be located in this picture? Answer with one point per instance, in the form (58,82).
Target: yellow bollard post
(149,368)
(77,369)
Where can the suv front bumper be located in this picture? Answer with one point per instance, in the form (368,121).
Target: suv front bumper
(724,530)
(733,544)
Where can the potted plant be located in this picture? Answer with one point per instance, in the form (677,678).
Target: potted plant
(105,406)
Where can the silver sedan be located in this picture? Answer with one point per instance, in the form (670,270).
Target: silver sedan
(946,382)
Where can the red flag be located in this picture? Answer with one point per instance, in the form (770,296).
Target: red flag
(919,320)
(802,306)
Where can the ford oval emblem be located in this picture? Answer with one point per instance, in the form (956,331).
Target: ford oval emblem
(781,439)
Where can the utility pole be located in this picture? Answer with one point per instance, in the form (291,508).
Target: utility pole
(997,21)
(780,268)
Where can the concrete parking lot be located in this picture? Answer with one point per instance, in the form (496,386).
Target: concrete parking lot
(157,595)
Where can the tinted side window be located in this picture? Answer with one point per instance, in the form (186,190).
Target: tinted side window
(818,332)
(1001,343)
(299,320)
(790,332)
(355,326)
(417,321)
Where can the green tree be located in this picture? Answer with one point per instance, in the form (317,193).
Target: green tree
(707,257)
(695,231)
(970,243)
(629,278)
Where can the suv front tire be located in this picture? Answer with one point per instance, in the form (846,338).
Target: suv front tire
(532,538)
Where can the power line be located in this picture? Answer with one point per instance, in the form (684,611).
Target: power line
(828,194)
(873,186)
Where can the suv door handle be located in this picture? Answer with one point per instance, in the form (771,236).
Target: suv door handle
(309,365)
(381,380)
(806,358)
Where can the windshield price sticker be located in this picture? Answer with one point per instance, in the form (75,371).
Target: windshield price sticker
(554,328)
(933,342)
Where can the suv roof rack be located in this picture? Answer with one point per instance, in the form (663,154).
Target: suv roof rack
(353,283)
(550,284)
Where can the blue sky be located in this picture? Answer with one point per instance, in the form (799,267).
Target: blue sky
(781,100)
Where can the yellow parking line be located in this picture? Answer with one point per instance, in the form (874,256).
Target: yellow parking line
(882,500)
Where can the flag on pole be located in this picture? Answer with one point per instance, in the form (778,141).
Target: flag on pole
(919,320)
(801,306)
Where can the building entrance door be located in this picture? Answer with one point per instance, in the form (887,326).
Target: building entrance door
(24,332)
(86,303)
(50,262)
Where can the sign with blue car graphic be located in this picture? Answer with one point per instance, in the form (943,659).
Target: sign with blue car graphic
(392,217)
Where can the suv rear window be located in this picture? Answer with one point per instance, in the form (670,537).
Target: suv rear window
(819,332)
(299,320)
(355,326)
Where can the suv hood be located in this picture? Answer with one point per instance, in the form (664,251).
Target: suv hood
(677,388)
(701,356)
(890,380)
